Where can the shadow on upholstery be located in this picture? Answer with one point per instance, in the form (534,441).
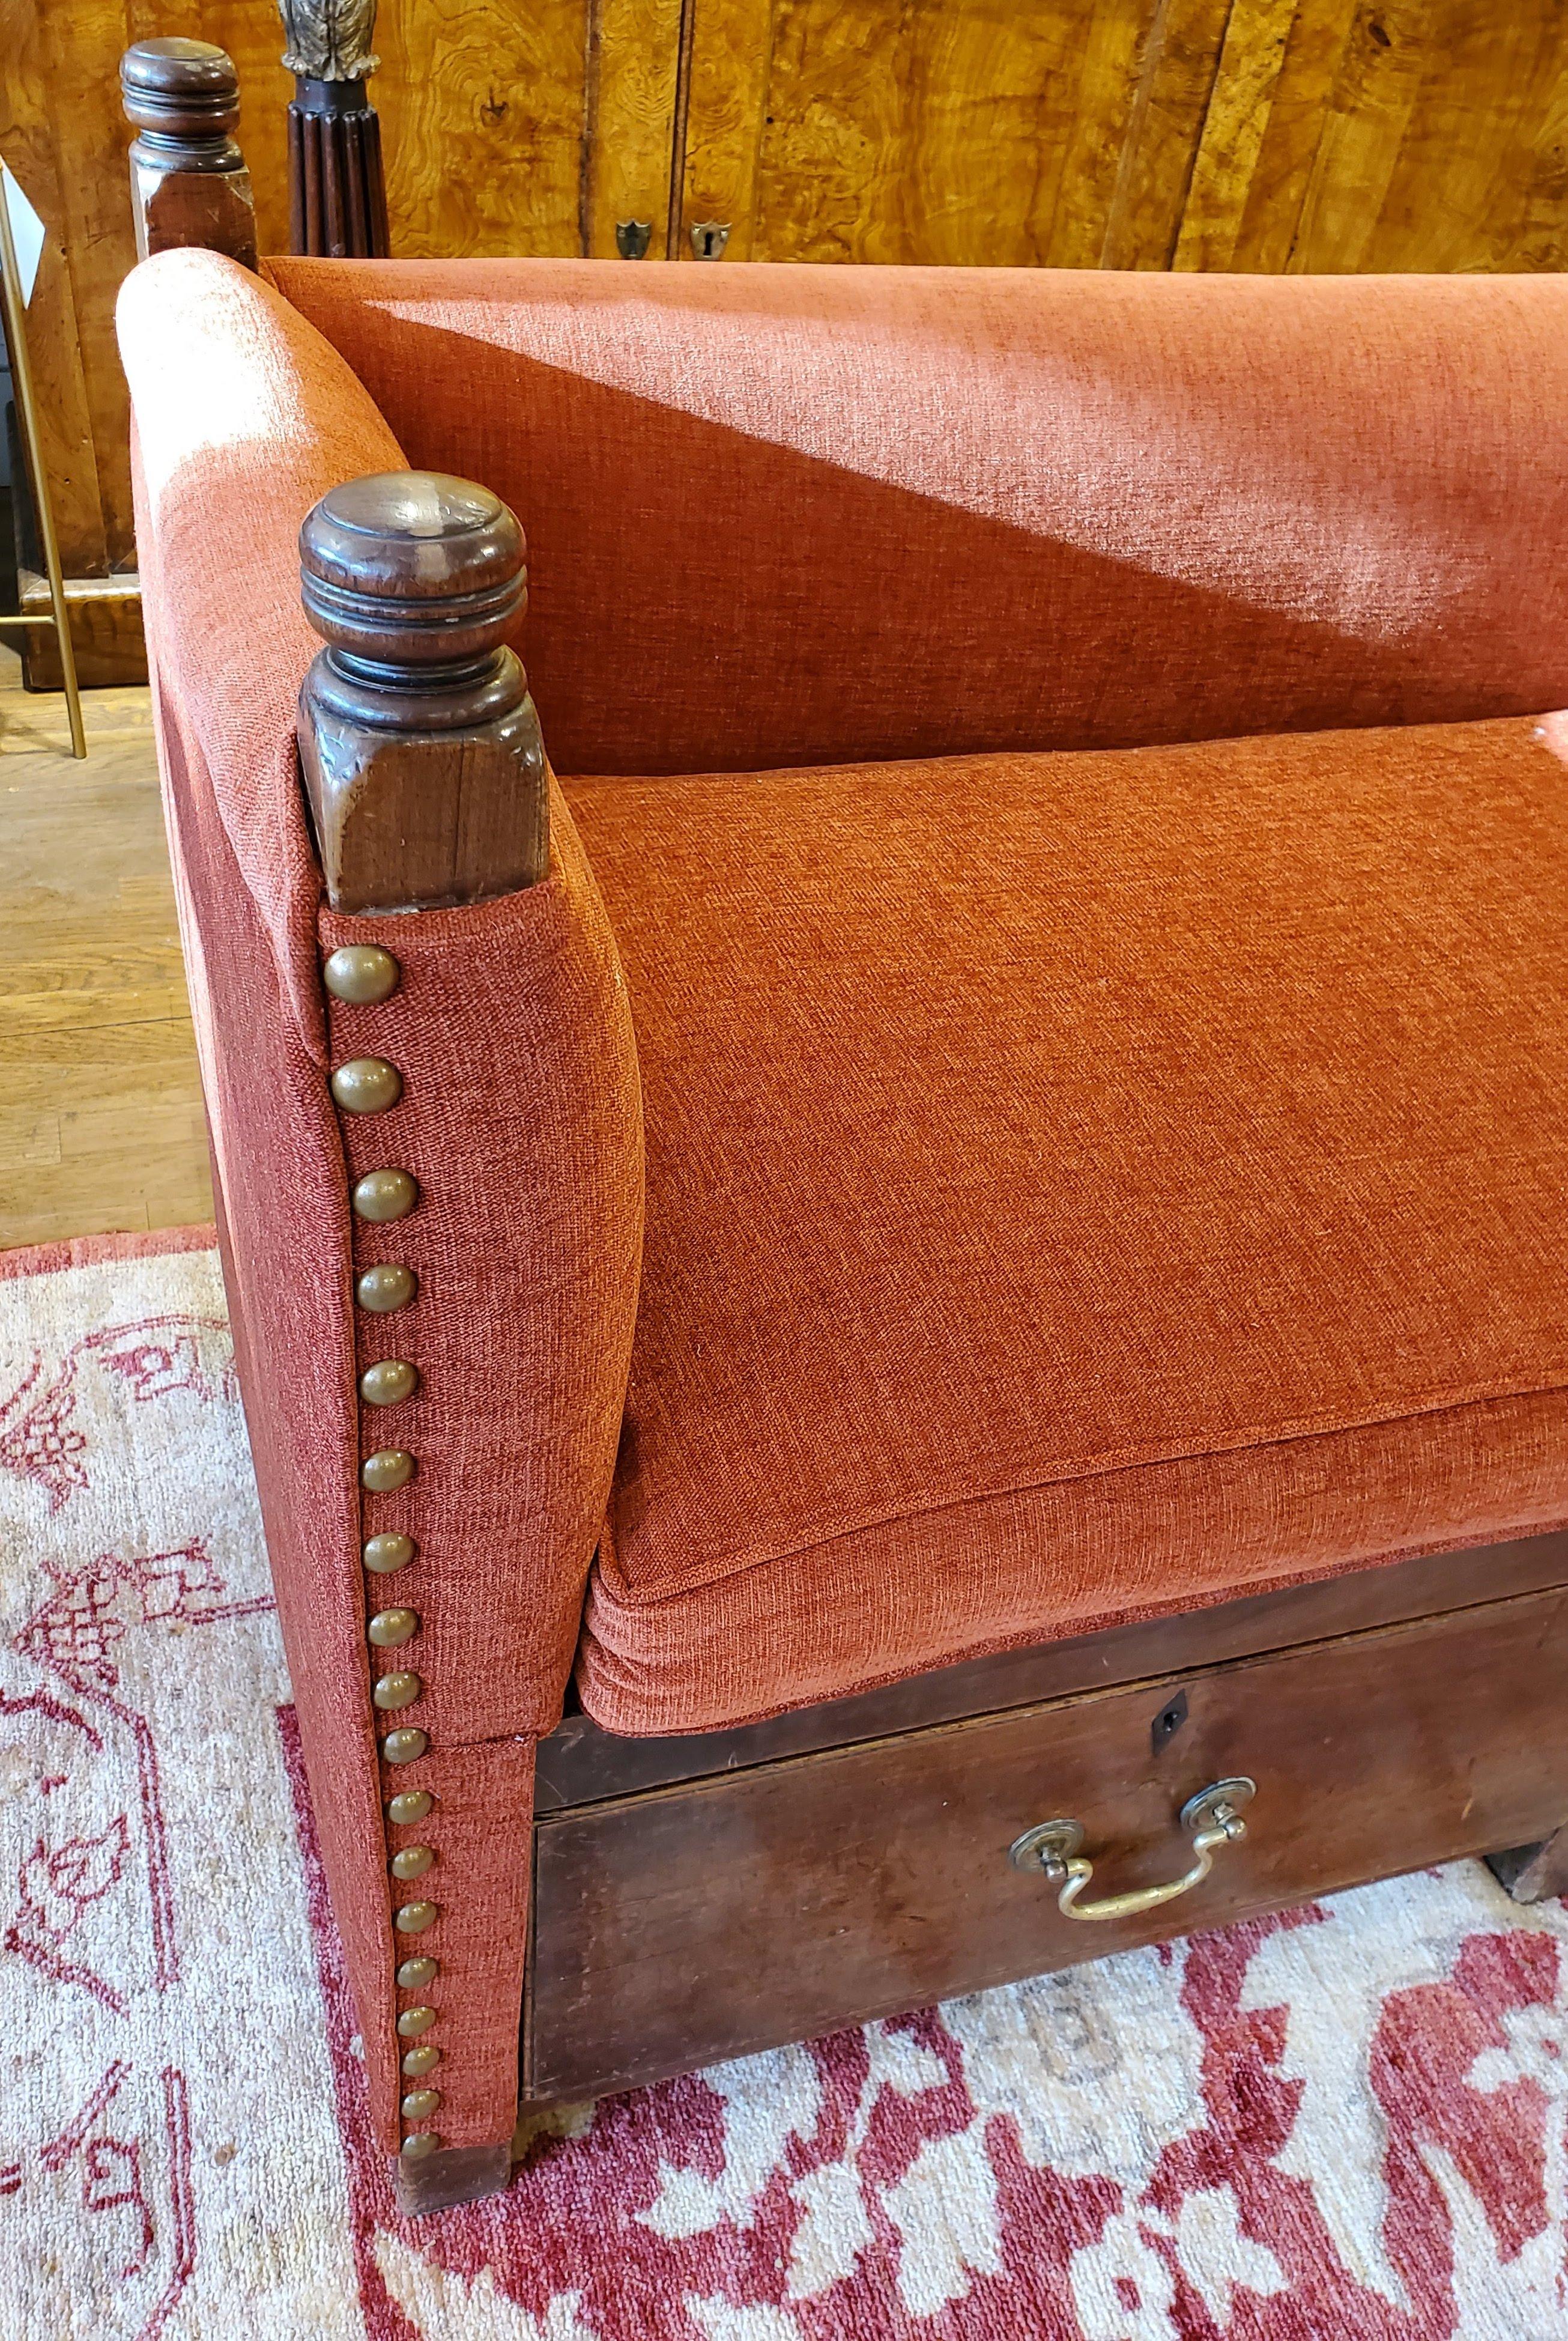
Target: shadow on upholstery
(785,515)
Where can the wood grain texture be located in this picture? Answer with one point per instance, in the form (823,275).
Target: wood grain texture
(105,614)
(1268,134)
(36,140)
(420,748)
(101,1122)
(1234,123)
(1177,71)
(482,113)
(727,100)
(916,133)
(1442,142)
(691,1924)
(93,223)
(627,145)
(250,32)
(580,1764)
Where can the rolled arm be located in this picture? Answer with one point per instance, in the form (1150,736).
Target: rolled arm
(455,1132)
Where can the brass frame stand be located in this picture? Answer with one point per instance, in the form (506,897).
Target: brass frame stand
(21,376)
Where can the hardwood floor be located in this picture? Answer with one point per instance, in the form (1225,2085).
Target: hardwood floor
(100,1105)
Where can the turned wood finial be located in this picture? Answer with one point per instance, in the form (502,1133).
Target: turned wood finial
(189,184)
(337,191)
(419,742)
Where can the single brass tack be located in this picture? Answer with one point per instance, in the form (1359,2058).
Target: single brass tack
(363,974)
(387,1552)
(400,1689)
(385,1288)
(415,1975)
(410,1805)
(405,1747)
(388,1382)
(414,2020)
(385,1471)
(384,1195)
(413,1861)
(367,1085)
(413,1918)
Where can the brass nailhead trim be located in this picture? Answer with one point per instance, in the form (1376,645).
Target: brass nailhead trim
(362,973)
(398,1690)
(387,1470)
(383,1195)
(367,1085)
(371,1085)
(422,2142)
(388,1382)
(385,1553)
(385,1288)
(420,2104)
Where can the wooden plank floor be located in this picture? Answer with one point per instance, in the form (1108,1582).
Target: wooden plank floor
(100,1105)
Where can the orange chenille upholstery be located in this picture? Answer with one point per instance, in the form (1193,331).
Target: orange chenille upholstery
(1078,1186)
(792,515)
(1098,1013)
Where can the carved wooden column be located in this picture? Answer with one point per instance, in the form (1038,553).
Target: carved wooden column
(419,742)
(337,194)
(189,184)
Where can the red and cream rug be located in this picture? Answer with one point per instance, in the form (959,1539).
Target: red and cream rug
(1350,2124)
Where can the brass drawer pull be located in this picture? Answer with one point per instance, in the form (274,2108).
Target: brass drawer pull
(1211,1819)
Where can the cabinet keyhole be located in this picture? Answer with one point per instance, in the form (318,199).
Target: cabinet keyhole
(1168,1723)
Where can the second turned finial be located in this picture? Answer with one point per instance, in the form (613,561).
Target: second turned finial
(189,184)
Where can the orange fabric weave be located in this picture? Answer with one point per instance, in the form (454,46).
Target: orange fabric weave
(795,515)
(1077,1186)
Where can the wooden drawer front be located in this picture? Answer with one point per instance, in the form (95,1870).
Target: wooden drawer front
(694,1923)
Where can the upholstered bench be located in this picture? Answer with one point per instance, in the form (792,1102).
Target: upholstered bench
(933,1301)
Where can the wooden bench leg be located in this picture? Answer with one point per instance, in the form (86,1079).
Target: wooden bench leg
(1534,1873)
(466,2174)
(452,2175)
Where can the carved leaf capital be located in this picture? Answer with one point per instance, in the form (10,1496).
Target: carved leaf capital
(329,40)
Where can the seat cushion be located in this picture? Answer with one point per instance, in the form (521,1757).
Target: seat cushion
(1079,1186)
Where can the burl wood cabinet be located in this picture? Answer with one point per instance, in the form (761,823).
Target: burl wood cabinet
(1258,135)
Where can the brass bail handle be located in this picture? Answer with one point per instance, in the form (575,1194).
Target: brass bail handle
(1212,1819)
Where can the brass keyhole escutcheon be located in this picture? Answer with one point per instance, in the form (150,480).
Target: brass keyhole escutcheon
(1212,1819)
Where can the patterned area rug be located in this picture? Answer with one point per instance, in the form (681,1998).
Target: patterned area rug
(1349,2124)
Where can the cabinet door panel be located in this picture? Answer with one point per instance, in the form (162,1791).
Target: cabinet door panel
(524,129)
(482,117)
(634,56)
(1301,135)
(914,130)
